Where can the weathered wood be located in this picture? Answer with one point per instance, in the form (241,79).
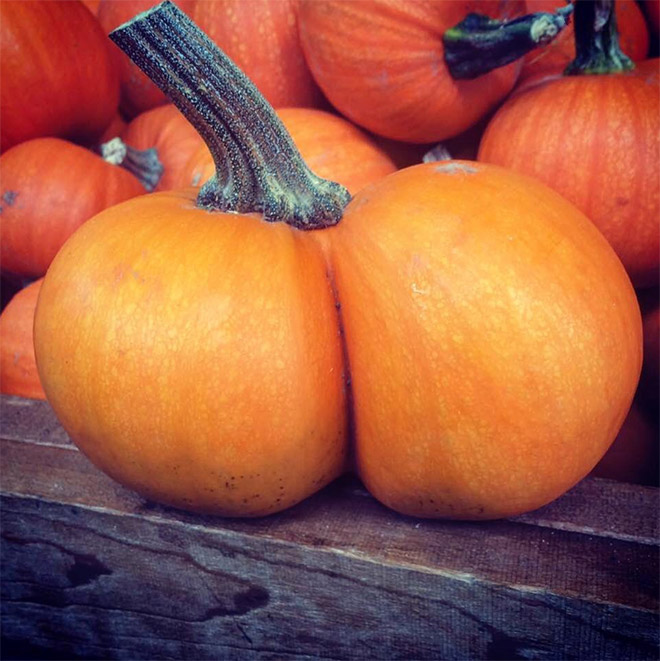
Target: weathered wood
(90,570)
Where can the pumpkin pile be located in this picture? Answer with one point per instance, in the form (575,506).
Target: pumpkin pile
(248,285)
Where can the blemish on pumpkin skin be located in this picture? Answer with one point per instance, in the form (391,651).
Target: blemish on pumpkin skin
(452,167)
(9,197)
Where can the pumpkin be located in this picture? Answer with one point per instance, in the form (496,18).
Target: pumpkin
(594,138)
(555,57)
(651,10)
(18,368)
(634,455)
(381,64)
(331,146)
(49,188)
(485,334)
(58,78)
(171,135)
(261,36)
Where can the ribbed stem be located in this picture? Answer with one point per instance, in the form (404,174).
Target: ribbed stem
(597,49)
(479,44)
(258,168)
(142,163)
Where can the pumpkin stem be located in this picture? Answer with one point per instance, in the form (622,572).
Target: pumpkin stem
(144,164)
(597,47)
(258,168)
(479,44)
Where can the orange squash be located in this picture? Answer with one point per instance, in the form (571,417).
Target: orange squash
(49,188)
(171,135)
(555,57)
(594,138)
(331,146)
(485,332)
(381,64)
(58,78)
(18,367)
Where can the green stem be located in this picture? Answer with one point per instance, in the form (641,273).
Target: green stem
(479,44)
(144,164)
(597,49)
(258,168)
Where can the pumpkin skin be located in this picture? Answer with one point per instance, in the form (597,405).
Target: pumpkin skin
(493,338)
(331,146)
(198,361)
(230,364)
(18,367)
(556,56)
(49,188)
(173,137)
(633,457)
(381,64)
(596,140)
(58,77)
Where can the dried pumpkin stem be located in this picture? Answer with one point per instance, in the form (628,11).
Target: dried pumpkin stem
(258,168)
(142,163)
(597,48)
(479,44)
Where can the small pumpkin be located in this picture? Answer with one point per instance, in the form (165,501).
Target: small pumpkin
(58,77)
(332,147)
(171,135)
(18,367)
(382,64)
(594,138)
(554,57)
(49,188)
(233,328)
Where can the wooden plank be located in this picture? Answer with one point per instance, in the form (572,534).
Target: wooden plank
(89,569)
(113,586)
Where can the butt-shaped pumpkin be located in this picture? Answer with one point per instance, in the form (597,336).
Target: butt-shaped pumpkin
(462,329)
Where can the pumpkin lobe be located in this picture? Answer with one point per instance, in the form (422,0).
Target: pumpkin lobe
(258,168)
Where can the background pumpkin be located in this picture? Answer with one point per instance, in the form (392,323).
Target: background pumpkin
(173,137)
(18,367)
(331,146)
(58,77)
(381,64)
(49,188)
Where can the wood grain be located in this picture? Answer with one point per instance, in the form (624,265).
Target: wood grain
(90,570)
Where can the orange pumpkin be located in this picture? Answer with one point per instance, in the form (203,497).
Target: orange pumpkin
(489,335)
(58,78)
(555,57)
(173,137)
(594,138)
(18,368)
(381,64)
(50,187)
(331,146)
